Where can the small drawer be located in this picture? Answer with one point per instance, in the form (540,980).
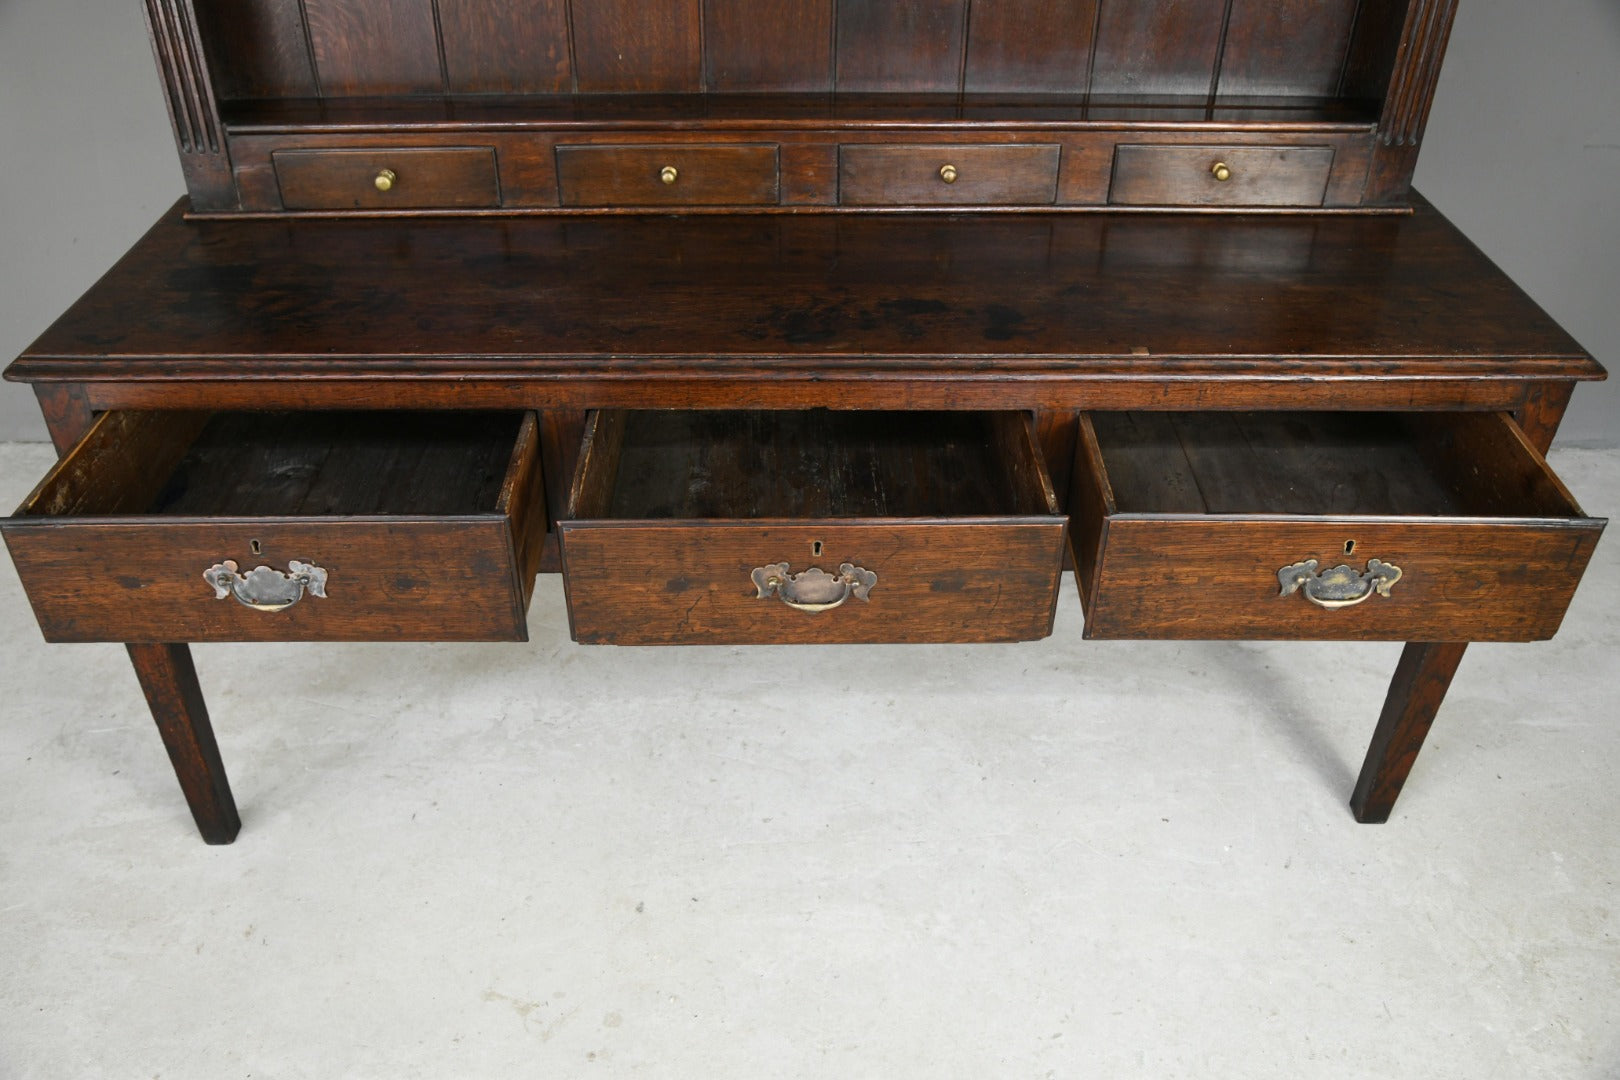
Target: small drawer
(733,175)
(756,527)
(1436,527)
(1220,175)
(383,179)
(1013,175)
(164,526)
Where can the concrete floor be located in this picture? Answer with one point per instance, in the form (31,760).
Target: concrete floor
(1060,859)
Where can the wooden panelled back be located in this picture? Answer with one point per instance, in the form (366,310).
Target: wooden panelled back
(1164,48)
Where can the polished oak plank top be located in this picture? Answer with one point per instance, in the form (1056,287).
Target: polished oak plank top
(970,296)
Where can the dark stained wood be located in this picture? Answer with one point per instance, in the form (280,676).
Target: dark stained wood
(257,49)
(511,47)
(1542,412)
(900,45)
(429,526)
(774,45)
(1184,176)
(169,680)
(623,46)
(343,179)
(194,115)
(365,47)
(673,511)
(978,301)
(1286,47)
(738,175)
(1490,543)
(1024,46)
(1421,680)
(983,175)
(1162,49)
(1416,73)
(67,413)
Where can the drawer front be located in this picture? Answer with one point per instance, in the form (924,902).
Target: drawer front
(402,179)
(667,175)
(428,580)
(1014,175)
(678,584)
(1459,580)
(99,564)
(1220,175)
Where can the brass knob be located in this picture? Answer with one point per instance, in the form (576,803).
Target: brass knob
(1221,171)
(947,173)
(668,174)
(385,180)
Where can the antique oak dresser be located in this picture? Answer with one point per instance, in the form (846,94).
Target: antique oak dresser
(800,321)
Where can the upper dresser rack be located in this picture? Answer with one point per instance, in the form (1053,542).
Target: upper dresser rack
(531,106)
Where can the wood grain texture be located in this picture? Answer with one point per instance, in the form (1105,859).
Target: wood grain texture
(1159,49)
(1286,47)
(67,413)
(346,179)
(768,45)
(984,175)
(368,47)
(738,175)
(194,114)
(967,304)
(431,538)
(1027,46)
(511,47)
(1183,176)
(257,49)
(900,45)
(168,678)
(1421,679)
(625,46)
(1191,547)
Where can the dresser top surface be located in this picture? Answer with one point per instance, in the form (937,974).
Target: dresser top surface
(1155,296)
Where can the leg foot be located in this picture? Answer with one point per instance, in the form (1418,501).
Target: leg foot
(169,679)
(1420,683)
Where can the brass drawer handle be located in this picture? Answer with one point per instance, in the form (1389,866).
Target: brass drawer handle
(813,589)
(947,173)
(1341,586)
(669,174)
(1221,171)
(385,180)
(264,589)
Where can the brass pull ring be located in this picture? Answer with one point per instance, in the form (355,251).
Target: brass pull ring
(813,590)
(385,180)
(1342,586)
(264,589)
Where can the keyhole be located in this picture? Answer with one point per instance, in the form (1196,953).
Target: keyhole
(815,548)
(1349,547)
(253,546)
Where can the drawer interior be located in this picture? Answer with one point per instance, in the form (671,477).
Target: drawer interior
(663,465)
(284,464)
(1316,463)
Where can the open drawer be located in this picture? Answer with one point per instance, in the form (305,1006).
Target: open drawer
(817,526)
(318,526)
(1433,527)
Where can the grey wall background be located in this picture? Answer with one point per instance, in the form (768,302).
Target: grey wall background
(1523,152)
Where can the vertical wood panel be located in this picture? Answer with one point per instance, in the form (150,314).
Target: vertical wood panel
(1294,47)
(511,47)
(1029,45)
(638,45)
(911,45)
(780,45)
(257,49)
(365,47)
(1165,48)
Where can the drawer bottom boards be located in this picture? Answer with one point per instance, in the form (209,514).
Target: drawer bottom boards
(1440,527)
(759,527)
